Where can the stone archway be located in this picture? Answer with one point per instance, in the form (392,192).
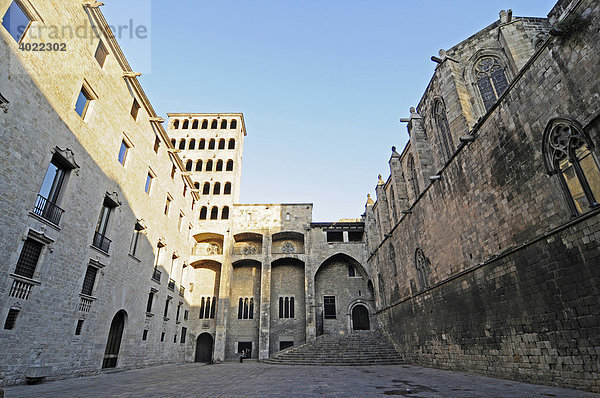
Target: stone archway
(204,348)
(360,318)
(113,344)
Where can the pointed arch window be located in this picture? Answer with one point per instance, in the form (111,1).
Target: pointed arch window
(422,266)
(441,121)
(491,80)
(569,154)
(199,165)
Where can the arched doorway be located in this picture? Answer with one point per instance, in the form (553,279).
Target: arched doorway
(111,354)
(204,347)
(360,318)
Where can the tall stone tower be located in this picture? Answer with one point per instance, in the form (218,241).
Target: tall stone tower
(211,146)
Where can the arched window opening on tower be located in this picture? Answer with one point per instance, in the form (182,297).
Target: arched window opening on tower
(441,120)
(186,124)
(222,143)
(214,213)
(199,165)
(197,185)
(206,188)
(202,144)
(209,165)
(231,143)
(223,124)
(203,213)
(225,213)
(491,80)
(176,124)
(211,144)
(233,124)
(207,308)
(570,155)
(214,125)
(229,165)
(219,165)
(182,144)
(217,188)
(246,308)
(204,124)
(188,165)
(195,125)
(227,189)
(192,144)
(174,142)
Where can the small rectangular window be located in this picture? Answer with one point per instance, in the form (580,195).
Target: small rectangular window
(183,334)
(101,54)
(16,21)
(166,308)
(29,257)
(89,280)
(335,236)
(329,307)
(162,336)
(186,314)
(11,319)
(149,303)
(175,339)
(145,335)
(355,236)
(79,326)
(123,152)
(135,109)
(83,102)
(149,178)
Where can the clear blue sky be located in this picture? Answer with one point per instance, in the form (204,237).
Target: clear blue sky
(322,83)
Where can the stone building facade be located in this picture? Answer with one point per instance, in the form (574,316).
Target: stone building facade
(125,244)
(483,241)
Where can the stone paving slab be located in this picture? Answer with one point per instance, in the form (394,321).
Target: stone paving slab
(263,380)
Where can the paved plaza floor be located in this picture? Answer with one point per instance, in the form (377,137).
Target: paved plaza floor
(261,380)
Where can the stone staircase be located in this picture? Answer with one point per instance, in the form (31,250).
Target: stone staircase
(355,349)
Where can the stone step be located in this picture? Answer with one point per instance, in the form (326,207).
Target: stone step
(356,349)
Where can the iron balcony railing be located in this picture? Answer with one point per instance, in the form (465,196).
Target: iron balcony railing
(156,275)
(101,242)
(171,285)
(48,210)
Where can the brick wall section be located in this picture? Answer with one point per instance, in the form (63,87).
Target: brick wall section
(493,197)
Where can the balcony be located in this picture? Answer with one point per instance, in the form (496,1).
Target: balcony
(85,303)
(101,242)
(156,275)
(47,210)
(21,288)
(181,290)
(171,285)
